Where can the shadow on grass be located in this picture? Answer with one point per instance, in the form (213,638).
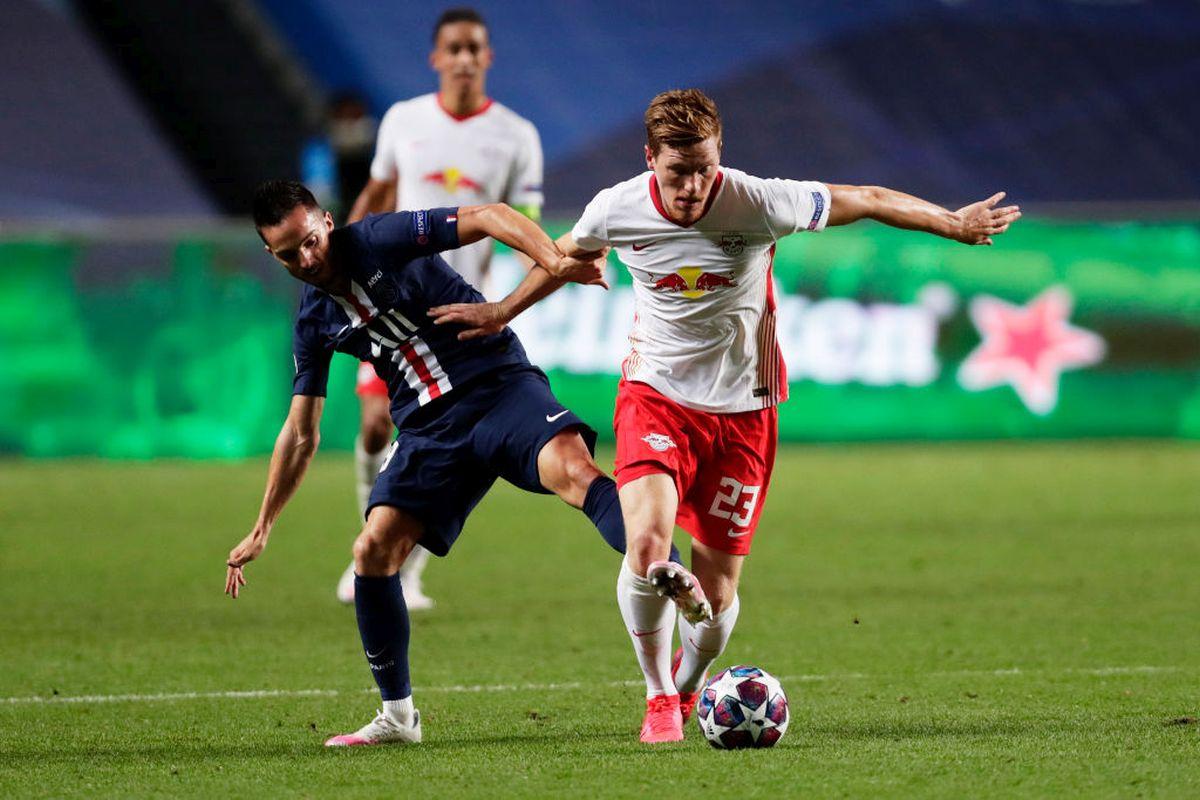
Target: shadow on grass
(446,742)
(225,754)
(559,738)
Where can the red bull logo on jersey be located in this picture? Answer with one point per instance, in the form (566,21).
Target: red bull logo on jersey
(452,179)
(692,282)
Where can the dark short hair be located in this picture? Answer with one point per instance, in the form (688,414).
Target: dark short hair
(274,200)
(453,15)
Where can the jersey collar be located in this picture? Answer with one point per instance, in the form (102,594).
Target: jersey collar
(656,198)
(487,103)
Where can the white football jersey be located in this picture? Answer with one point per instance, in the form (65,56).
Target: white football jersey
(493,155)
(704,326)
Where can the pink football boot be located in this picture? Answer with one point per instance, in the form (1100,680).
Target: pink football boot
(662,723)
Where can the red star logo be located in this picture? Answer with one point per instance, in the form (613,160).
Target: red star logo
(1028,347)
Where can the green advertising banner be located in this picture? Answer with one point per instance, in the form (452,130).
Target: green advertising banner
(182,347)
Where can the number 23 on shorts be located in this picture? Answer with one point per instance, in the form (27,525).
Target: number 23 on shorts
(735,502)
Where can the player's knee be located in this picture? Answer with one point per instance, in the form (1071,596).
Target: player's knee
(644,546)
(583,472)
(580,473)
(720,598)
(567,469)
(375,554)
(719,588)
(366,552)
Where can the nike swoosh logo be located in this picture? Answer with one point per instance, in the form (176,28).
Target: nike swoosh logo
(732,534)
(637,248)
(556,416)
(640,634)
(376,655)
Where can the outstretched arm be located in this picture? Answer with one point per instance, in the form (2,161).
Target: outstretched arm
(534,213)
(504,224)
(976,223)
(294,449)
(485,319)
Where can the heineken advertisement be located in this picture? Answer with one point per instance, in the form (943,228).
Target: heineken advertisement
(1060,330)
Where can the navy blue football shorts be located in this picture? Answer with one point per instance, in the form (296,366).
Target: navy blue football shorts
(443,462)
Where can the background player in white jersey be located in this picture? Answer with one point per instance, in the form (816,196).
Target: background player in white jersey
(445,149)
(696,420)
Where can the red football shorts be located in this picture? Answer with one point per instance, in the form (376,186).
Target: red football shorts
(368,383)
(721,463)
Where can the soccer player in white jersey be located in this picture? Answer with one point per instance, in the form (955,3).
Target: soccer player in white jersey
(696,419)
(445,149)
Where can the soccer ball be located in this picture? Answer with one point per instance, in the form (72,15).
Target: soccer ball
(742,707)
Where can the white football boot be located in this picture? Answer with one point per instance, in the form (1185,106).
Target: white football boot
(345,586)
(414,598)
(410,580)
(381,730)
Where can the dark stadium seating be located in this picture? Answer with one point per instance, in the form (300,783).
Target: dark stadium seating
(234,109)
(74,140)
(1053,100)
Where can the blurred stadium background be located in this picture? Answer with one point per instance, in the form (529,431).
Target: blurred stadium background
(139,317)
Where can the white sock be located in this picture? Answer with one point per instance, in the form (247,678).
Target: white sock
(413,567)
(648,619)
(366,469)
(702,644)
(399,711)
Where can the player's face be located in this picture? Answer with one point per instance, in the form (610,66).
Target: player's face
(301,243)
(685,177)
(461,55)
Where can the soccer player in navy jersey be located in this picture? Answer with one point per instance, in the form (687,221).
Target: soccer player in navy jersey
(468,410)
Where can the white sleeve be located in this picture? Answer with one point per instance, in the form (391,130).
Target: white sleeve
(525,182)
(591,231)
(790,206)
(383,165)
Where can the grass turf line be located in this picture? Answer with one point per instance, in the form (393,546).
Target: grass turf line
(909,578)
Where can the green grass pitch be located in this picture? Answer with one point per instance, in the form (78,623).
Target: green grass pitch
(1018,620)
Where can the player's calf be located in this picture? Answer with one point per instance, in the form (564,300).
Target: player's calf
(687,699)
(565,467)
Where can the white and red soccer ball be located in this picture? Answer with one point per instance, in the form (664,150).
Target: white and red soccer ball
(742,706)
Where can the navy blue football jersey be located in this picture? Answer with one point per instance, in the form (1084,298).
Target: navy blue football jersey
(396,276)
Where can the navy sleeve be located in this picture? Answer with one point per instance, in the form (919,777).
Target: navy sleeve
(406,235)
(312,356)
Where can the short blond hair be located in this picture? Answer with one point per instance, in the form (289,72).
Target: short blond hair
(681,118)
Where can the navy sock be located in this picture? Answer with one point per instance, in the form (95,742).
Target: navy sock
(383,626)
(603,507)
